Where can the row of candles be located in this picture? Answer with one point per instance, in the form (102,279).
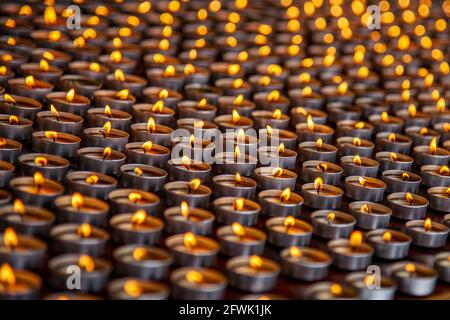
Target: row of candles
(123,163)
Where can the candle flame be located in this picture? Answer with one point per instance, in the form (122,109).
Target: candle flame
(443,170)
(237,178)
(440,105)
(336,289)
(186,162)
(357,160)
(423,131)
(132,288)
(365,208)
(363,72)
(194,276)
(70,95)
(238,100)
(322,167)
(3,70)
(277,172)
(164,45)
(289,221)
(356,238)
(387,236)
(238,204)
(13,120)
(277,114)
(235,116)
(318,183)
(144,7)
(19,207)
(138,171)
(134,197)
(93,179)
(384,116)
(410,268)
(107,127)
(307,92)
(151,125)
(107,111)
(94,67)
(25,10)
(7,275)
(392,137)
(428,80)
(38,178)
(79,42)
(107,152)
(433,146)
(238,229)
(255,262)
(51,135)
(428,224)
(412,110)
(169,71)
(29,81)
(331,216)
(356,141)
(237,83)
(77,200)
(139,217)
(406,94)
(86,263)
(359,125)
(189,240)
(310,123)
(295,252)
(286,194)
(10,239)
(273,96)
(50,16)
(158,106)
(40,161)
(159,58)
(194,184)
(281,148)
(319,143)
(140,254)
(43,65)
(119,75)
(84,230)
(116,56)
(117,43)
(264,81)
(184,209)
(342,88)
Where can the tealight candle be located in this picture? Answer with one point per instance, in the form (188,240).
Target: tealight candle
(427,233)
(20,106)
(147,153)
(143,177)
(318,195)
(280,203)
(156,133)
(414,278)
(158,111)
(53,142)
(275,178)
(121,79)
(137,289)
(42,71)
(10,150)
(21,251)
(18,284)
(100,160)
(54,120)
(422,135)
(36,190)
(332,291)
(389,244)
(233,121)
(351,128)
(94,273)
(386,123)
(275,119)
(91,183)
(15,128)
(394,161)
(332,224)
(352,254)
(30,87)
(69,101)
(234,87)
(252,273)
(98,117)
(401,181)
(365,284)
(136,228)
(231,209)
(305,264)
(246,143)
(92,70)
(189,249)
(330,173)
(310,131)
(435,175)
(364,188)
(431,154)
(50,166)
(106,136)
(277,156)
(439,198)
(278,136)
(359,166)
(120,100)
(193,193)
(234,185)
(288,231)
(229,103)
(197,284)
(27,220)
(370,215)
(353,145)
(239,240)
(442,264)
(317,150)
(169,97)
(126,200)
(79,238)
(143,262)
(182,218)
(393,142)
(185,169)
(77,208)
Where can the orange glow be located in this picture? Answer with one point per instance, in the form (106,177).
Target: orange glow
(138,171)
(40,161)
(238,100)
(194,184)
(310,123)
(233,69)
(238,204)
(169,71)
(51,135)
(387,236)
(7,275)
(255,262)
(77,200)
(79,42)
(319,143)
(412,110)
(440,105)
(194,276)
(189,240)
(151,125)
(286,194)
(273,96)
(94,67)
(295,252)
(359,125)
(336,289)
(84,230)
(393,156)
(356,238)
(159,58)
(38,178)
(362,181)
(238,229)
(134,197)
(3,70)
(409,197)
(363,72)
(433,146)
(107,112)
(132,288)
(276,114)
(410,268)
(25,10)
(70,95)
(235,116)
(93,179)
(50,16)
(331,216)
(164,93)
(140,254)
(10,239)
(107,152)
(43,65)
(428,224)
(356,141)
(405,176)
(405,95)
(264,81)
(289,221)
(107,127)
(281,148)
(318,183)
(392,137)
(139,217)
(277,172)
(158,106)
(116,56)
(423,131)
(186,162)
(144,7)
(357,160)
(86,263)
(384,116)
(184,209)
(29,81)
(443,170)
(237,178)
(13,120)
(304,78)
(19,207)
(322,167)
(365,208)
(306,92)
(119,75)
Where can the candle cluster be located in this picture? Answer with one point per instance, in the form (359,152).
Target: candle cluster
(216,149)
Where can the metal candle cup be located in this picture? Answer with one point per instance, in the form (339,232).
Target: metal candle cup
(382,123)
(233,209)
(60,122)
(120,100)
(389,244)
(322,196)
(275,178)
(277,157)
(105,137)
(434,175)
(136,228)
(439,198)
(143,177)
(442,265)
(21,251)
(332,291)
(15,128)
(185,169)
(158,111)
(27,285)
(349,256)
(130,200)
(252,274)
(280,203)
(10,150)
(169,97)
(288,231)
(227,122)
(91,183)
(195,195)
(197,284)
(247,144)
(394,161)
(97,117)
(422,135)
(275,119)
(407,206)
(76,208)
(305,264)
(359,166)
(364,188)
(147,153)
(238,240)
(59,143)
(414,278)
(79,238)
(228,103)
(351,128)
(401,181)
(233,185)
(199,110)
(148,290)
(93,278)
(330,173)
(156,133)
(426,233)
(332,224)
(38,89)
(348,146)
(143,262)
(69,102)
(370,215)
(181,219)
(20,106)
(192,250)
(100,160)
(36,190)
(278,136)
(367,289)
(310,150)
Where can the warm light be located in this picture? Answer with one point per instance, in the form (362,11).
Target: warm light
(440,105)
(428,225)
(185,162)
(86,263)
(29,81)
(7,276)
(356,238)
(237,152)
(194,276)
(19,207)
(410,268)
(318,183)
(107,152)
(13,120)
(310,123)
(139,217)
(159,58)
(134,197)
(285,195)
(138,171)
(188,69)
(84,230)
(255,262)
(93,179)
(443,170)
(10,239)
(359,125)
(405,176)
(289,221)
(238,229)
(362,181)
(433,146)
(94,67)
(79,42)
(237,83)
(322,167)
(70,95)
(412,110)
(235,116)
(319,143)
(277,114)
(25,10)
(158,106)
(238,100)
(423,131)
(107,127)
(194,184)
(264,81)
(365,208)
(140,254)
(238,204)
(393,156)
(184,209)
(50,16)
(38,178)
(41,161)
(132,288)
(169,71)
(273,96)
(233,69)
(295,252)
(356,141)
(151,125)
(357,160)
(119,75)
(363,72)
(116,56)
(409,197)
(189,240)
(336,289)
(384,116)
(277,172)
(392,137)
(51,135)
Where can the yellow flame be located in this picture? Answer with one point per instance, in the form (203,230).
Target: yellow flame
(356,238)
(138,171)
(84,230)
(119,75)
(29,81)
(238,229)
(116,56)
(318,183)
(189,240)
(50,16)
(428,224)
(139,217)
(86,263)
(295,252)
(433,146)
(10,239)
(362,181)
(286,194)
(107,152)
(357,160)
(158,106)
(194,276)
(255,262)
(134,197)
(410,268)
(169,71)
(132,288)
(151,125)
(7,275)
